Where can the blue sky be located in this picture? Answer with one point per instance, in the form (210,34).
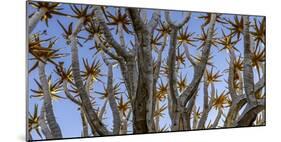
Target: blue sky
(66,112)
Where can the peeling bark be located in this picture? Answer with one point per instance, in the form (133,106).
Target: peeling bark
(144,95)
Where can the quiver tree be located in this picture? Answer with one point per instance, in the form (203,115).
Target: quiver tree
(152,68)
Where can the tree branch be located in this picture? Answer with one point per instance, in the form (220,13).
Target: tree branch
(121,51)
(34,19)
(91,115)
(174,24)
(199,69)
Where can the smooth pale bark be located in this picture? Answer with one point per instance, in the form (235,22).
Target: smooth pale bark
(43,125)
(188,55)
(68,95)
(102,110)
(237,103)
(172,73)
(34,19)
(84,124)
(156,74)
(92,118)
(50,116)
(112,101)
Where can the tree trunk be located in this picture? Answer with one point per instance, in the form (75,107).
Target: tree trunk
(50,116)
(247,63)
(84,124)
(112,101)
(44,126)
(143,104)
(34,19)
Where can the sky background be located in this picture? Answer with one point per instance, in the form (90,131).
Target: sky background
(67,113)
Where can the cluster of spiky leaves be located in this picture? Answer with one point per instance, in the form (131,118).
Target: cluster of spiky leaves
(162,91)
(64,74)
(164,29)
(212,77)
(185,37)
(259,95)
(207,19)
(160,111)
(52,9)
(258,57)
(221,101)
(33,121)
(259,31)
(180,58)
(67,32)
(164,69)
(182,83)
(93,29)
(203,38)
(198,59)
(43,53)
(54,89)
(196,113)
(155,40)
(83,11)
(236,26)
(123,106)
(238,66)
(92,70)
(228,43)
(105,93)
(119,19)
